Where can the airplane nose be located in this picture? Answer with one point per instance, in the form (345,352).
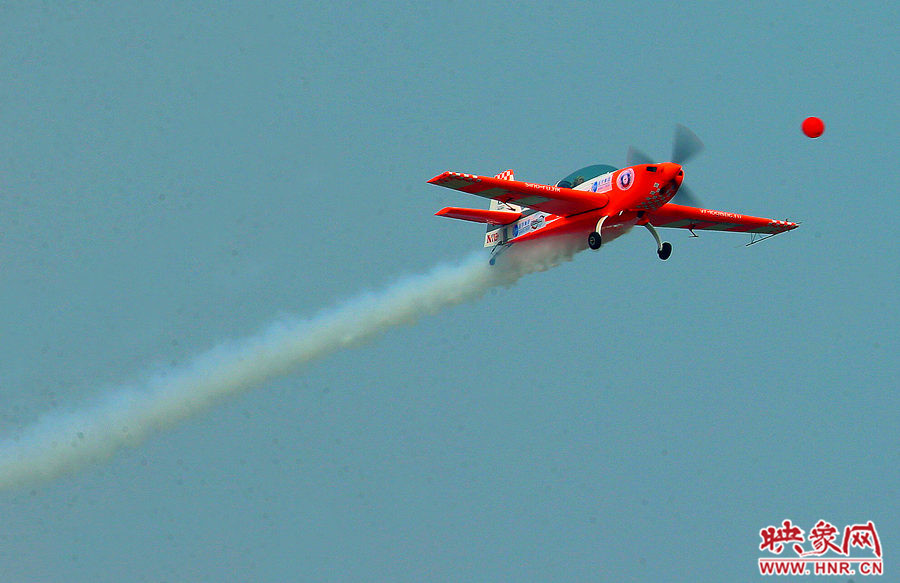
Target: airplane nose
(673,171)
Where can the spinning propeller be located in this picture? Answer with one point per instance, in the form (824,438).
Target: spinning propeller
(685,145)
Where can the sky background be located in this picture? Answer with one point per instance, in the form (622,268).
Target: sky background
(177,175)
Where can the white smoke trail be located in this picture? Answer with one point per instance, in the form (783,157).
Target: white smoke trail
(62,443)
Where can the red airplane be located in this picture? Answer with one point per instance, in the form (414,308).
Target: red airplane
(598,203)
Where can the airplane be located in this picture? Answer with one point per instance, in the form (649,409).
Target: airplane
(599,203)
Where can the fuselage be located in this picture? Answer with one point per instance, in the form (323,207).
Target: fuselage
(631,192)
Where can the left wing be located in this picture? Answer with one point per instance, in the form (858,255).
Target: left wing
(548,199)
(688,217)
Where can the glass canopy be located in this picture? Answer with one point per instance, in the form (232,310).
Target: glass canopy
(585,174)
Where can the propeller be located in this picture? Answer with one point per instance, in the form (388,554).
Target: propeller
(686,196)
(636,157)
(685,145)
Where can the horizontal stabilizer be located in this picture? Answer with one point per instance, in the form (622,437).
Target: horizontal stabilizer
(480,215)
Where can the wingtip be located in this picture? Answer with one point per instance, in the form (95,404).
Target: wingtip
(437,178)
(447,178)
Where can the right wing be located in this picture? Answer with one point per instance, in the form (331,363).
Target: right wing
(688,217)
(548,199)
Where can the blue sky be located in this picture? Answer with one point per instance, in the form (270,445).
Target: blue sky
(179,175)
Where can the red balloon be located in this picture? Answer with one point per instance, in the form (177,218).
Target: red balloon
(813,127)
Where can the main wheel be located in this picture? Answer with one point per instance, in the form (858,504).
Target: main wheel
(594,240)
(666,250)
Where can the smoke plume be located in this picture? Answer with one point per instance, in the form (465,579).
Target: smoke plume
(61,443)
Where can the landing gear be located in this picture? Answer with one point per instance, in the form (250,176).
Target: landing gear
(663,249)
(495,253)
(594,240)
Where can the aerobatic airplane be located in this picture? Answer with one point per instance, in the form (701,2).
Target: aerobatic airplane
(598,203)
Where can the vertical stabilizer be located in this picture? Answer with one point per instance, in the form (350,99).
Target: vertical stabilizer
(496,205)
(494,234)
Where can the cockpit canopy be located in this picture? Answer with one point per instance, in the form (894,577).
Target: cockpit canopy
(585,174)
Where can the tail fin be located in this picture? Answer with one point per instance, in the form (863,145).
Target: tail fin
(498,218)
(496,205)
(495,235)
